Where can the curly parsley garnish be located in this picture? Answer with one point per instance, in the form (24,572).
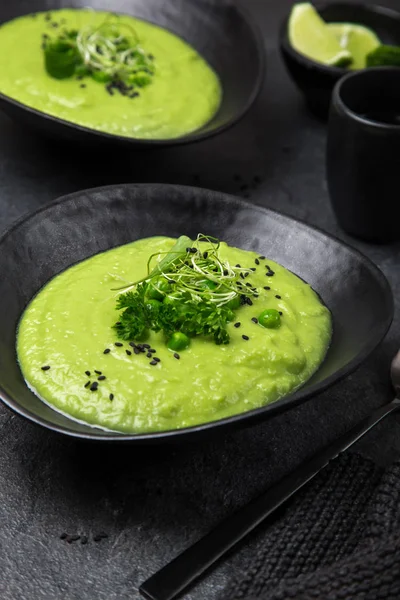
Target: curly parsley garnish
(109,53)
(190,292)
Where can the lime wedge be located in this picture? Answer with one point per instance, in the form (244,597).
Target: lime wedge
(311,36)
(357,39)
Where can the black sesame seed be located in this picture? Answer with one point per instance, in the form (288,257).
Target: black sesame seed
(261,257)
(246,274)
(98,372)
(256,261)
(238,266)
(87,384)
(249,301)
(107,351)
(242,275)
(153,350)
(245,337)
(87,373)
(269,273)
(256,295)
(205,254)
(146,345)
(280,312)
(128,352)
(118,344)
(101,378)
(149,355)
(237,324)
(254,319)
(136,350)
(111,396)
(176,355)
(277,296)
(249,284)
(153,362)
(253,269)
(82,85)
(157,359)
(132,344)
(84,539)
(94,386)
(63,536)
(46,368)
(266,287)
(226,272)
(141,349)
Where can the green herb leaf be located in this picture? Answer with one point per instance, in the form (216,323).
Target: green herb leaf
(384,56)
(61,59)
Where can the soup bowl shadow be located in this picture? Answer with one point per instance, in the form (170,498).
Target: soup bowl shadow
(220,31)
(82,224)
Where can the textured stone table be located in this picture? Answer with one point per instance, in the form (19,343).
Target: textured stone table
(152,502)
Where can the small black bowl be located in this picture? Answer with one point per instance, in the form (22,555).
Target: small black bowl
(87,222)
(221,32)
(316,80)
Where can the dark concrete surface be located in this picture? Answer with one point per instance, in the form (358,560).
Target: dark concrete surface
(153,502)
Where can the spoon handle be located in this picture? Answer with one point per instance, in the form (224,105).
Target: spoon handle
(172,579)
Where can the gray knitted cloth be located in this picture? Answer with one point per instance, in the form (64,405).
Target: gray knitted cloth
(338,540)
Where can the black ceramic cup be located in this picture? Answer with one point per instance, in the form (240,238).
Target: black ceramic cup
(363,154)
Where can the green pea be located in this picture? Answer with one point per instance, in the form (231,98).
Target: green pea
(81,70)
(153,306)
(178,341)
(158,289)
(101,77)
(270,318)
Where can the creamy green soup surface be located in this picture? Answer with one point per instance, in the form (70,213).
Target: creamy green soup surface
(68,325)
(184,94)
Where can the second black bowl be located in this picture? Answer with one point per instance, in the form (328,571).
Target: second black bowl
(219,31)
(316,80)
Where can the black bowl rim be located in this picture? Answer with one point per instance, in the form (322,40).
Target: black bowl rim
(337,99)
(246,418)
(195,136)
(312,64)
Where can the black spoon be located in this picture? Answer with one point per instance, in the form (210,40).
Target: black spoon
(183,570)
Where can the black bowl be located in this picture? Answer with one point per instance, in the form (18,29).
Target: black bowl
(82,224)
(221,32)
(317,81)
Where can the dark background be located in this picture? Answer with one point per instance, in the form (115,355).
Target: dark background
(153,502)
